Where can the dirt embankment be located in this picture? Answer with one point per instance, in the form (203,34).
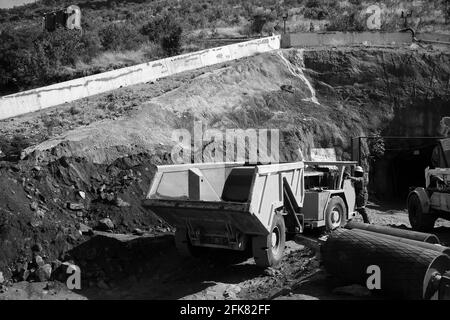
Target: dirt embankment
(98,159)
(317,98)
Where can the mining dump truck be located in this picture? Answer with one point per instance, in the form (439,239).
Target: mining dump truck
(238,206)
(426,204)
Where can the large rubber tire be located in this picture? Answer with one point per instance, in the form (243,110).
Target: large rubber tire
(268,250)
(335,213)
(419,220)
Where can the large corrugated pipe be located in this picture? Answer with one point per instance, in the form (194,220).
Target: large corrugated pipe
(407,234)
(425,245)
(406,271)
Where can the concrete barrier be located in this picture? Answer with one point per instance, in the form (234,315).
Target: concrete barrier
(345,39)
(433,37)
(59,93)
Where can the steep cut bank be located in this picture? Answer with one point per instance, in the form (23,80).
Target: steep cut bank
(317,99)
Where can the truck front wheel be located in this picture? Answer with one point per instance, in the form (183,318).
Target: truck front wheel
(268,250)
(335,213)
(419,220)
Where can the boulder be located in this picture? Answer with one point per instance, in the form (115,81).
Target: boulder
(105,224)
(84,229)
(138,232)
(39,261)
(75,206)
(44,272)
(34,206)
(121,203)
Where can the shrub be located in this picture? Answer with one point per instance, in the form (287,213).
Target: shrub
(64,47)
(120,36)
(258,23)
(315,13)
(30,58)
(11,148)
(74,110)
(312,4)
(91,46)
(166,31)
(259,18)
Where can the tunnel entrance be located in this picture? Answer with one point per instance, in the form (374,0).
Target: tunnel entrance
(400,166)
(407,143)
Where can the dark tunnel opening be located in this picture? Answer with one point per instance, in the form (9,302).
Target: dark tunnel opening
(401,167)
(409,140)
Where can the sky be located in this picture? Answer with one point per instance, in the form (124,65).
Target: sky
(11,3)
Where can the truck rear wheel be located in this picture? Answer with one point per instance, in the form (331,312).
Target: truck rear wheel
(335,213)
(268,250)
(419,220)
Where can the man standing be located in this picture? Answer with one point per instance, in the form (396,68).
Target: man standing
(361,192)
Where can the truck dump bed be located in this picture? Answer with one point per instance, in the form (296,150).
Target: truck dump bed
(220,199)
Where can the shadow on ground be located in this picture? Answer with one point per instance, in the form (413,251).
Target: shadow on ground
(149,267)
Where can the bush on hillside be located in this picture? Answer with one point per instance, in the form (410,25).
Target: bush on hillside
(166,31)
(61,47)
(120,36)
(312,4)
(347,22)
(315,13)
(259,19)
(32,58)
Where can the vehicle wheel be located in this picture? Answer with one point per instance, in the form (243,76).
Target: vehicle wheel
(268,250)
(182,243)
(419,220)
(335,213)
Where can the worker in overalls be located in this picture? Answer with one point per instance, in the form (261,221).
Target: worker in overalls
(360,186)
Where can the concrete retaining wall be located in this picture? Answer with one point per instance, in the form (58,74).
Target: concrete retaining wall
(56,94)
(345,39)
(433,37)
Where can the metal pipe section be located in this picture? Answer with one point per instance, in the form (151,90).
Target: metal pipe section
(407,234)
(405,271)
(424,245)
